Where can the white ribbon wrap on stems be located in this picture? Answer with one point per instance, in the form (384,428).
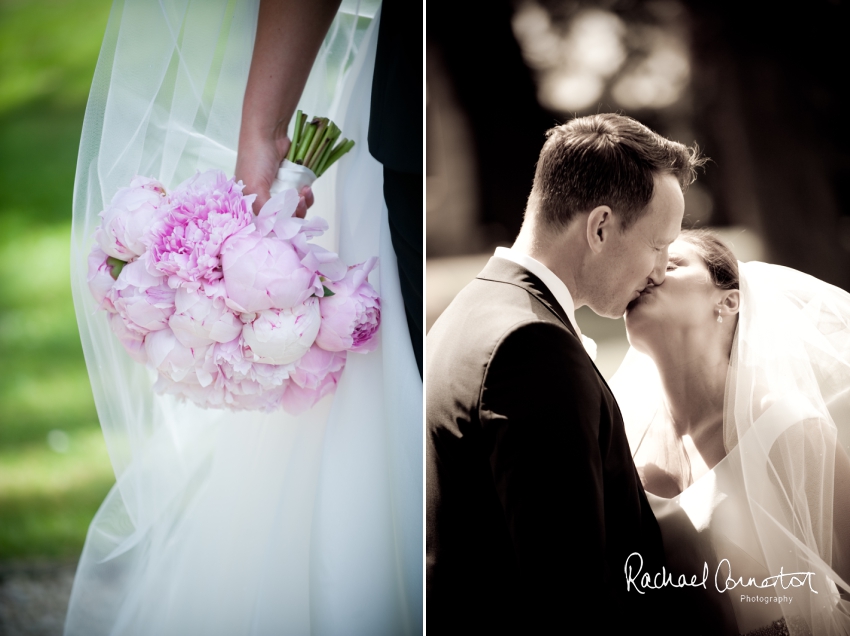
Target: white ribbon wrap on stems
(292,175)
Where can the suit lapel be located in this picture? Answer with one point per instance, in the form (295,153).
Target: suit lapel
(501,270)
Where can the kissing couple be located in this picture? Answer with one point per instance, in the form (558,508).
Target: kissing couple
(721,442)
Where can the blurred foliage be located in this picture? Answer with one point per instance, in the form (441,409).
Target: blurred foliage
(48,51)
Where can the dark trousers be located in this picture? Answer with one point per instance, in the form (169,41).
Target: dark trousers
(403,195)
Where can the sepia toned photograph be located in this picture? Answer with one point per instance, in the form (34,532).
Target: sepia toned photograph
(636,369)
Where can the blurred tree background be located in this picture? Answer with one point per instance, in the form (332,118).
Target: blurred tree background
(54,470)
(759,87)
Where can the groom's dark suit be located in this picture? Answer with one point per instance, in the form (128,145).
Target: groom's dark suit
(533,501)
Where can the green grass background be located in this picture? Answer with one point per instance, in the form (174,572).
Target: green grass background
(48,52)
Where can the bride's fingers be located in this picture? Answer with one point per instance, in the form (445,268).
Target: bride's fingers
(305,201)
(262,198)
(307,193)
(301,208)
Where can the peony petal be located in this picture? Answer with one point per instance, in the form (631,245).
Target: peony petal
(158,345)
(327,263)
(283,336)
(226,328)
(281,205)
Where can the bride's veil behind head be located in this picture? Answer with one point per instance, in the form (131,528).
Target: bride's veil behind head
(788,406)
(787,421)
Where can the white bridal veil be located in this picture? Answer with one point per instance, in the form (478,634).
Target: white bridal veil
(787,434)
(244,523)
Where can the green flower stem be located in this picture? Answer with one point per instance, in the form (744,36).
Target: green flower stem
(304,118)
(296,136)
(344,146)
(305,144)
(326,159)
(311,164)
(321,150)
(332,136)
(317,140)
(313,143)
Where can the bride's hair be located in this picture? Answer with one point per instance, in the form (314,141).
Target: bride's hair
(718,258)
(605,159)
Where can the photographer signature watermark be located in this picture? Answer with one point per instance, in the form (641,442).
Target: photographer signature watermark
(723,579)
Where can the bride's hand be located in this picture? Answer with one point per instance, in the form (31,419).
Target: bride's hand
(257,164)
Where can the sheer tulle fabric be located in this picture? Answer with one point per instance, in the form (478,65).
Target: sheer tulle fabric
(778,501)
(244,523)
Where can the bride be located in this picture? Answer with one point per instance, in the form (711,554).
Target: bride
(736,403)
(243,522)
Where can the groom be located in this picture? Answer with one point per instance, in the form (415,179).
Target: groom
(533,501)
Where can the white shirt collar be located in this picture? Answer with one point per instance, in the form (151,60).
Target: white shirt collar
(553,283)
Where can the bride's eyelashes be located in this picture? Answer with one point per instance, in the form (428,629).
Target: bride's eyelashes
(673,263)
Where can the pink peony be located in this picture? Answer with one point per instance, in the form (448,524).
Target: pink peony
(273,266)
(100,279)
(234,383)
(325,262)
(316,375)
(276,210)
(145,302)
(282,336)
(264,273)
(129,217)
(233,359)
(218,394)
(299,232)
(174,360)
(350,318)
(312,370)
(204,212)
(190,388)
(229,309)
(132,341)
(199,321)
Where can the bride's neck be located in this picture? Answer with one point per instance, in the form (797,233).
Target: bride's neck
(693,372)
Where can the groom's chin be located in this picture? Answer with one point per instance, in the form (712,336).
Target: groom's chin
(613,312)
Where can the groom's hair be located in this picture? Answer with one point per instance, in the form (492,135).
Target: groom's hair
(605,159)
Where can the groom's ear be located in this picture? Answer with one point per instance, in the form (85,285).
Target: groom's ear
(732,301)
(600,224)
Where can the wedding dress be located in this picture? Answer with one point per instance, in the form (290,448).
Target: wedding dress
(777,503)
(245,523)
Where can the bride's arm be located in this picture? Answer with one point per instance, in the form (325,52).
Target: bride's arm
(289,34)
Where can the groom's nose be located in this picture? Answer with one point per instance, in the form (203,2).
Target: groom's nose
(656,276)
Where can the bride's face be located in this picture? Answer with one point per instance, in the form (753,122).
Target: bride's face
(687,300)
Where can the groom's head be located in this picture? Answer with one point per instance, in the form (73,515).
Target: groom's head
(616,188)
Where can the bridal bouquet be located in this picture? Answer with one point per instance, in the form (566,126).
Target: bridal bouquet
(231,309)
